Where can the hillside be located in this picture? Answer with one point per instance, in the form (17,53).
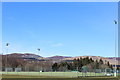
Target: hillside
(61,58)
(57,57)
(105,59)
(25,55)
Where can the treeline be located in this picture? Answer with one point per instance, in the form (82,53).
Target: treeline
(77,65)
(26,65)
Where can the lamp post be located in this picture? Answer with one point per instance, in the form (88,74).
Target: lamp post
(38,61)
(38,50)
(7,45)
(115,72)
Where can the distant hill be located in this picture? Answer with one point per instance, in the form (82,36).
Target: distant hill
(57,57)
(25,55)
(105,59)
(61,58)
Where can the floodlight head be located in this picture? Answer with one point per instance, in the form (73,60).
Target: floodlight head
(7,44)
(38,49)
(115,21)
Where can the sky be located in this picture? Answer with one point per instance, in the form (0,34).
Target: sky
(59,28)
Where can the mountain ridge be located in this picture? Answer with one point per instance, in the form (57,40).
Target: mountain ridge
(62,58)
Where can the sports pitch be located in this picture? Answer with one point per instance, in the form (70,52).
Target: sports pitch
(24,77)
(54,76)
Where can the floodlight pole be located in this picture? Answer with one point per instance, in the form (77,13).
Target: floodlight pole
(38,54)
(115,72)
(7,45)
(38,50)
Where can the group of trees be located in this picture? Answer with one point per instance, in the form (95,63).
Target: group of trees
(25,64)
(77,65)
(12,62)
(9,61)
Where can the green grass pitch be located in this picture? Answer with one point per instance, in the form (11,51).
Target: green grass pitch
(54,76)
